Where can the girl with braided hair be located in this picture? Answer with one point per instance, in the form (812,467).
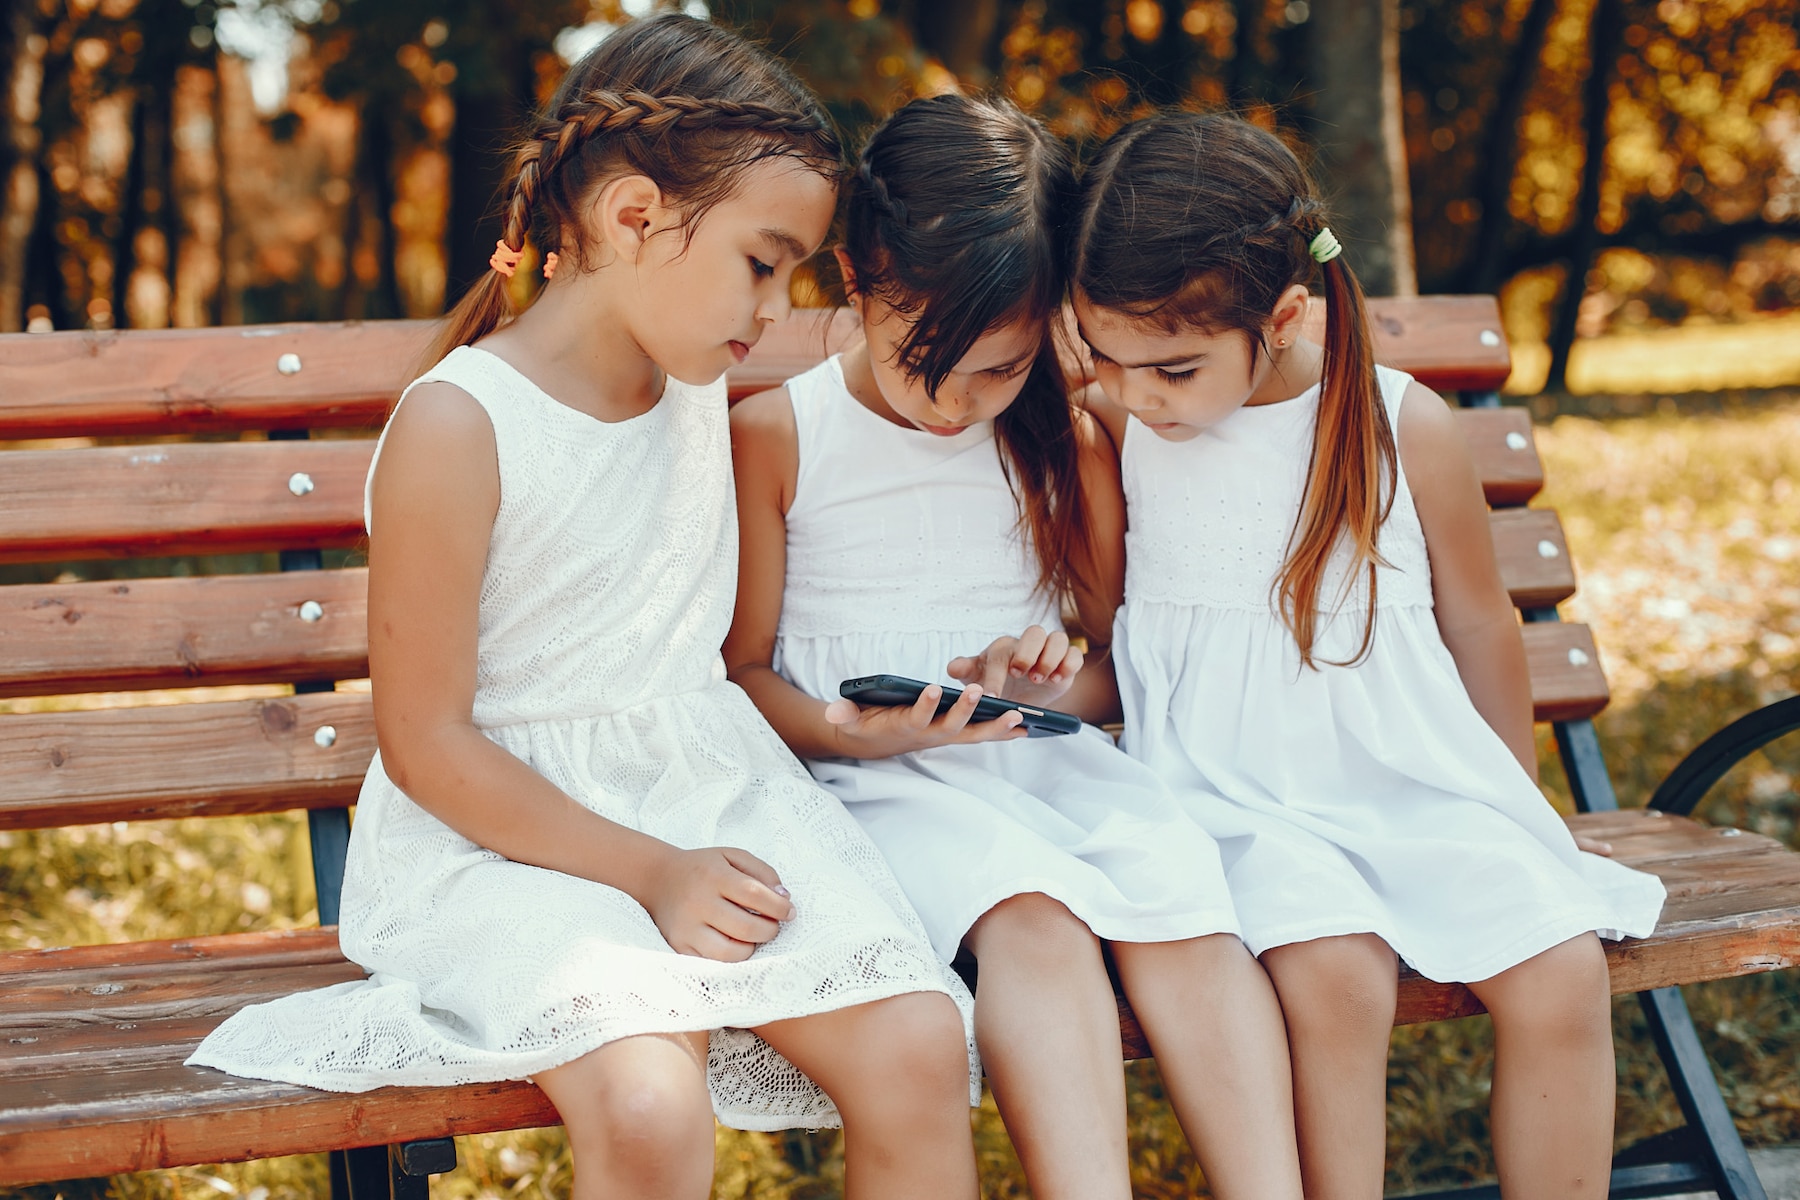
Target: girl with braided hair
(920,505)
(1317,652)
(581,856)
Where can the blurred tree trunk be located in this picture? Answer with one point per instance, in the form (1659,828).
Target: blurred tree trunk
(1362,145)
(1252,82)
(1606,35)
(22,46)
(961,34)
(371,218)
(486,123)
(1487,266)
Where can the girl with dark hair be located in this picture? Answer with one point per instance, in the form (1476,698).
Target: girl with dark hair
(1316,650)
(920,505)
(580,855)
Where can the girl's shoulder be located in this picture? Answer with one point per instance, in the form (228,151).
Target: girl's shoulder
(765,445)
(1099,423)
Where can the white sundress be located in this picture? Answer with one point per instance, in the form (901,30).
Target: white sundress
(1364,799)
(609,586)
(902,553)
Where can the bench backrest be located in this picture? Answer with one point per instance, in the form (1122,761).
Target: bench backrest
(82,497)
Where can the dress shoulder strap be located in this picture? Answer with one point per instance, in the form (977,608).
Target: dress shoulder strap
(490,382)
(814,394)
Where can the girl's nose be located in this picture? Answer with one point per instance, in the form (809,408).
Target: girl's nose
(949,405)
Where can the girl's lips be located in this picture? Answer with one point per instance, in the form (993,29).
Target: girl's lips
(739,350)
(943,430)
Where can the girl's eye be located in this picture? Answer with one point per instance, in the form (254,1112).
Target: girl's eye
(1100,360)
(760,269)
(1176,376)
(1007,372)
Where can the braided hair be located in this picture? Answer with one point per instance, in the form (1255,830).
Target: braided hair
(1201,221)
(952,220)
(686,103)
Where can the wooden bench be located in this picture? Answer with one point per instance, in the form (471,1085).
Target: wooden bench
(92,1038)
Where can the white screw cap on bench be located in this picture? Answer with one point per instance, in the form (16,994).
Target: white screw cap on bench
(300,483)
(325,736)
(1517,441)
(288,364)
(1546,549)
(311,611)
(1488,338)
(1577,657)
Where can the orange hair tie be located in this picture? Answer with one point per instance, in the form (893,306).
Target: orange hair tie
(505,259)
(550,261)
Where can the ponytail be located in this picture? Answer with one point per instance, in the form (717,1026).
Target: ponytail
(1350,482)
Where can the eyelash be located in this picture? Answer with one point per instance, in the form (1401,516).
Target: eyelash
(1008,372)
(761,269)
(1176,376)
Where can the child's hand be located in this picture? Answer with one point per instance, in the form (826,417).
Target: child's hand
(1590,845)
(882,731)
(717,903)
(1036,667)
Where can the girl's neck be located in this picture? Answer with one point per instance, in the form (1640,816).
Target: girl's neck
(859,379)
(1290,372)
(578,349)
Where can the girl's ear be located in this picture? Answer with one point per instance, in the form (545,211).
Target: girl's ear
(626,212)
(1290,314)
(846,272)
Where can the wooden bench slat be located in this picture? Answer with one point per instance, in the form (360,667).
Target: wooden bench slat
(61,638)
(205,380)
(1567,682)
(1505,454)
(210,498)
(241,756)
(346,374)
(1533,556)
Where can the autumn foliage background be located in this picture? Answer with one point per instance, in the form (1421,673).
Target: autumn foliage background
(1624,173)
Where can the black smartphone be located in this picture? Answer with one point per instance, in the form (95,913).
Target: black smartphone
(896,690)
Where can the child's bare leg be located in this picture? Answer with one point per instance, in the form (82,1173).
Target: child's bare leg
(1211,1016)
(1048,1028)
(639,1118)
(898,1071)
(1553,1072)
(1337,997)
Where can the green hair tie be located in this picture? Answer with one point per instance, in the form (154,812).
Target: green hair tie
(1324,247)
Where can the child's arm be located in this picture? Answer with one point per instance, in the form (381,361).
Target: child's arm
(436,491)
(1474,613)
(766,455)
(1041,668)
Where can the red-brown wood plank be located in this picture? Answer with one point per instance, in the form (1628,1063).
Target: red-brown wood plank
(346,374)
(212,498)
(178,760)
(342,374)
(1533,556)
(1567,682)
(150,633)
(1505,454)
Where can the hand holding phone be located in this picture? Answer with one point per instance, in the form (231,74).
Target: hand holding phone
(898,692)
(1036,667)
(917,716)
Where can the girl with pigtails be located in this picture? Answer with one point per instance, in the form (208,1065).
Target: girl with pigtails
(1315,650)
(921,505)
(580,855)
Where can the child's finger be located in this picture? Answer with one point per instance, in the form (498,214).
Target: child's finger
(741,924)
(756,897)
(924,710)
(1070,665)
(1027,650)
(708,942)
(964,669)
(842,712)
(956,717)
(1056,646)
(1008,725)
(755,868)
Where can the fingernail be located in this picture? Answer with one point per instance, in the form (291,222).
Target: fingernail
(780,890)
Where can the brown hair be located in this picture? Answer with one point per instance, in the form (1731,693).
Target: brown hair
(686,103)
(1202,220)
(952,219)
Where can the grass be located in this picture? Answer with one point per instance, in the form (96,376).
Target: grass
(1687,533)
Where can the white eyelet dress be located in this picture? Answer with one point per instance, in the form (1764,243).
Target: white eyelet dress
(609,586)
(902,553)
(1365,799)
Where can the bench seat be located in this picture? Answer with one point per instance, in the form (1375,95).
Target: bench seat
(94,1036)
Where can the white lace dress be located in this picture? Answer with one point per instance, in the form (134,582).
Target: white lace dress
(609,586)
(1365,799)
(903,553)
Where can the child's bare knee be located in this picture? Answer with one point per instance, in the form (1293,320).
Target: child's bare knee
(1334,986)
(649,1128)
(917,1057)
(1563,994)
(1032,927)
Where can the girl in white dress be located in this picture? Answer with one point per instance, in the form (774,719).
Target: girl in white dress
(1317,651)
(581,855)
(916,507)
